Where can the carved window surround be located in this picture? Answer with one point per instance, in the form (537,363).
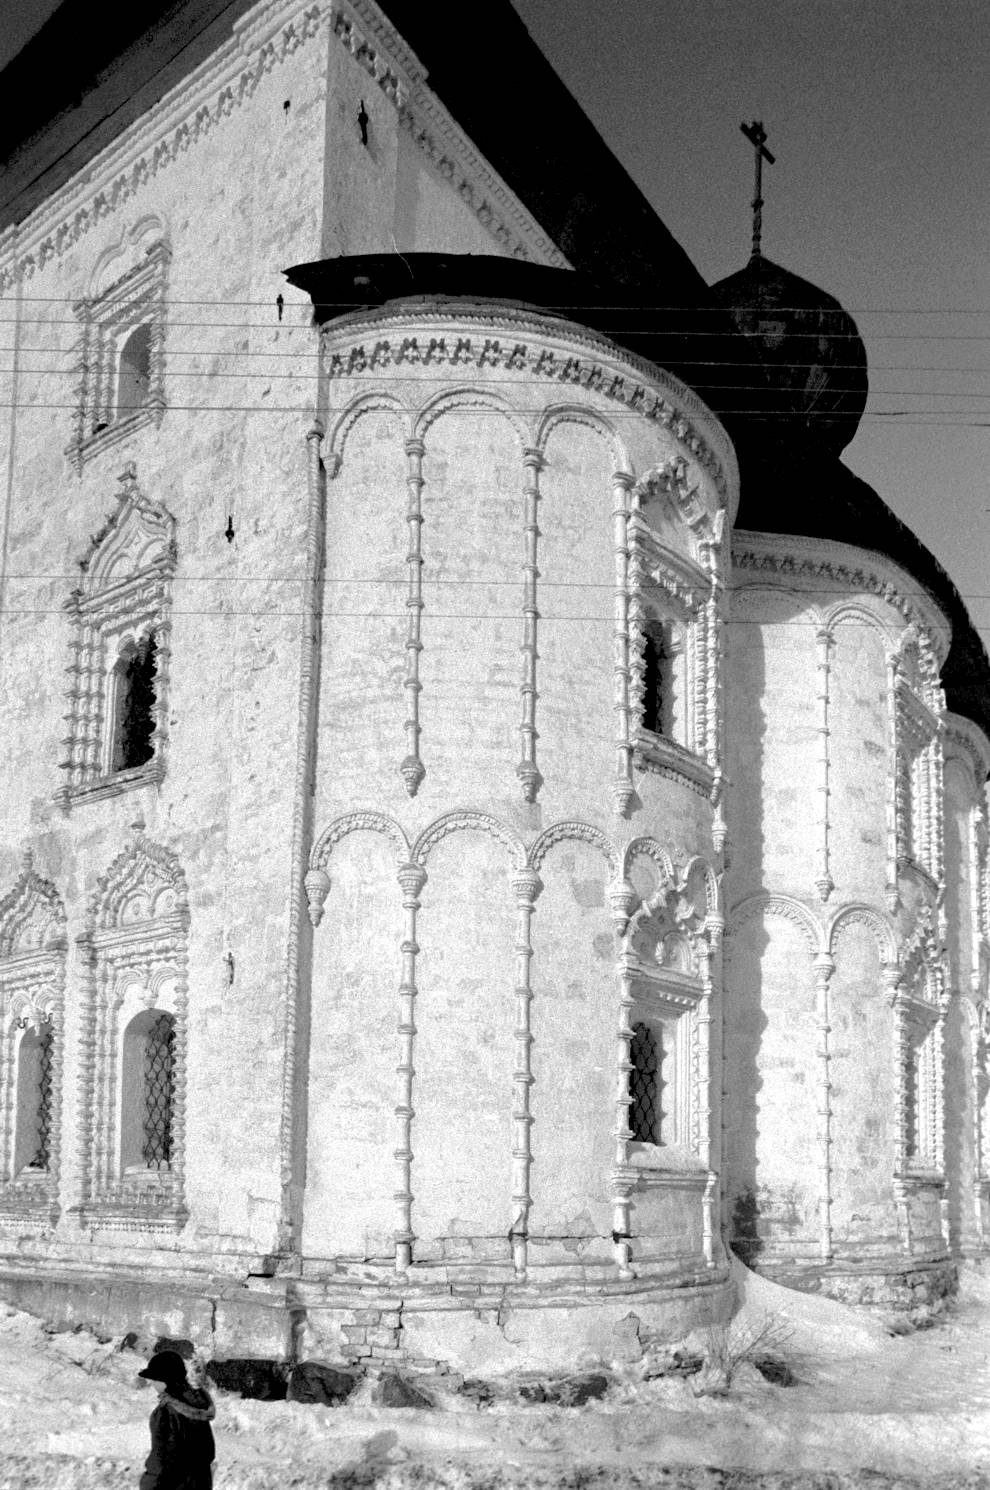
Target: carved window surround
(684,594)
(134,959)
(917,780)
(136,299)
(125,593)
(32,989)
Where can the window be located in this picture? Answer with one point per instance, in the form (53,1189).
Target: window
(147,1094)
(121,360)
(32,984)
(132,711)
(134,371)
(120,614)
(135,1020)
(645,1085)
(658,679)
(33,1124)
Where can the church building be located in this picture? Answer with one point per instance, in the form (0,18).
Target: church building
(493,818)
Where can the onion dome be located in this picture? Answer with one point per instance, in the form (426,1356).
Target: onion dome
(795,366)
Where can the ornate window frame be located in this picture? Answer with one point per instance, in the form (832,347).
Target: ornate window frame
(134,952)
(683,594)
(32,993)
(125,594)
(106,321)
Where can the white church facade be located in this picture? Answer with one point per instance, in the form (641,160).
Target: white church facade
(471,852)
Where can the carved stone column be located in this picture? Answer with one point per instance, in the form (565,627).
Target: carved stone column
(527,886)
(824,968)
(823,877)
(621,1189)
(623,789)
(527,770)
(412,878)
(412,768)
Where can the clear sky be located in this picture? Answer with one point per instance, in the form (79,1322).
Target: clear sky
(878,113)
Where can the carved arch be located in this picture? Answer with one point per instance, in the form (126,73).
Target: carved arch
(356,822)
(648,848)
(864,915)
(855,610)
(468,397)
(145,882)
(32,916)
(466,818)
(762,903)
(578,832)
(698,867)
(575,413)
(126,253)
(364,403)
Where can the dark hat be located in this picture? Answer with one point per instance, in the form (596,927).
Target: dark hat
(165,1365)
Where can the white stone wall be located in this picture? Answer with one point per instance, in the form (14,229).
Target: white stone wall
(837,995)
(488,553)
(255,162)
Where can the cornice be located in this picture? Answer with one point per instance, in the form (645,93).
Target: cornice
(846,566)
(652,392)
(261,40)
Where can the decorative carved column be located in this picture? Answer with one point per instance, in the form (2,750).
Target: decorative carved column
(412,768)
(895,787)
(715,928)
(891,978)
(621,1189)
(623,789)
(412,878)
(527,886)
(823,878)
(527,770)
(298,964)
(86,1079)
(824,968)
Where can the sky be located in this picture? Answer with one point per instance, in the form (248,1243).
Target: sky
(878,114)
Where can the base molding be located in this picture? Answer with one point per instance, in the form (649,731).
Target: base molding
(377,1324)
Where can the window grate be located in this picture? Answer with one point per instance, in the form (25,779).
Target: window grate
(159,1060)
(42,1154)
(644,1085)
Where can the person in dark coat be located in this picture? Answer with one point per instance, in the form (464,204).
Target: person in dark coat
(182,1448)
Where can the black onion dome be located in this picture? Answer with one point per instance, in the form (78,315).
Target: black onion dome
(796,365)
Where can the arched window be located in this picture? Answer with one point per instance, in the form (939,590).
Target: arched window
(658,679)
(645,1085)
(133,705)
(33,1121)
(134,371)
(147,1094)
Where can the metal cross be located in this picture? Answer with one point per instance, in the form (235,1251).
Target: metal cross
(757,134)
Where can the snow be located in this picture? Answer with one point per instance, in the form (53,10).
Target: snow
(869,1408)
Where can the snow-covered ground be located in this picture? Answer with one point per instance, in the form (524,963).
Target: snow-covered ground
(869,1409)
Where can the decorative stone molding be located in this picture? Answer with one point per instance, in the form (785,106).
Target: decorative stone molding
(412,769)
(824,968)
(824,882)
(32,994)
(582,833)
(527,769)
(125,594)
(527,886)
(762,903)
(189,113)
(136,299)
(876,922)
(623,787)
(461,818)
(412,878)
(551,359)
(842,566)
(317,880)
(134,957)
(297,942)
